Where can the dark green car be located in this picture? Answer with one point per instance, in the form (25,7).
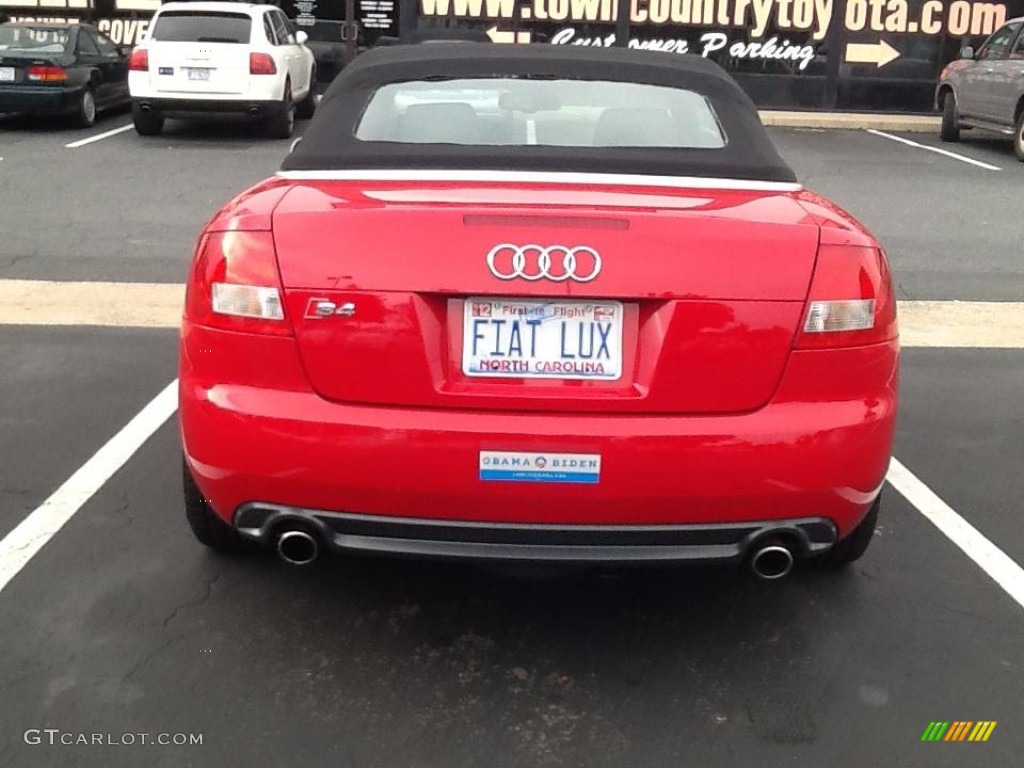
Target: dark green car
(61,69)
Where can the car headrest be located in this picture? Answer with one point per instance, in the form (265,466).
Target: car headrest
(624,127)
(444,123)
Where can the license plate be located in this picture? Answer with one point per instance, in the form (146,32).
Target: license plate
(6,74)
(540,339)
(198,74)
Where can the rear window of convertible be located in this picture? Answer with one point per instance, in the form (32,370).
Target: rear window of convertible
(206,27)
(540,112)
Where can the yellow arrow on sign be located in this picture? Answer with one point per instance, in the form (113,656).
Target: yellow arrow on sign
(498,36)
(880,53)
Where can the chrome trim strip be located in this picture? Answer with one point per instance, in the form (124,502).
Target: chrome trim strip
(544,177)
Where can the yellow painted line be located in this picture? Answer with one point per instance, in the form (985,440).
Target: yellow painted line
(121,305)
(851,121)
(968,324)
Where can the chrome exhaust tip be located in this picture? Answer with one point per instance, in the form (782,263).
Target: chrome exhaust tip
(146,107)
(297,547)
(254,111)
(771,561)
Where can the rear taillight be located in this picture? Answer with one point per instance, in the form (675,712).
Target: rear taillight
(41,74)
(235,284)
(851,301)
(262,64)
(139,60)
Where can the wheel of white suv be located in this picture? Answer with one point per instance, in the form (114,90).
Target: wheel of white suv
(282,120)
(85,115)
(305,109)
(950,130)
(147,123)
(1018,137)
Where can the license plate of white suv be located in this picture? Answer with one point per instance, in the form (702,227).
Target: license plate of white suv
(195,73)
(542,339)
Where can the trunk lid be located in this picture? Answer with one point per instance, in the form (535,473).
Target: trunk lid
(207,68)
(14,69)
(688,299)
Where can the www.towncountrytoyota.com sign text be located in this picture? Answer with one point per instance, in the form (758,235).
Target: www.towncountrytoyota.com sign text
(833,47)
(932,17)
(845,54)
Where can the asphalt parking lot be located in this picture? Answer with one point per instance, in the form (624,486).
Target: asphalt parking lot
(123,624)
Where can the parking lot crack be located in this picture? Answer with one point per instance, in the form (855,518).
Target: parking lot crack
(15,259)
(146,659)
(207,592)
(194,603)
(121,510)
(901,290)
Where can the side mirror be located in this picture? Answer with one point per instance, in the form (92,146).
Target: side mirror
(301,37)
(967,52)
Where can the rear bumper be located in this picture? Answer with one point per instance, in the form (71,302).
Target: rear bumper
(255,108)
(253,431)
(410,537)
(38,99)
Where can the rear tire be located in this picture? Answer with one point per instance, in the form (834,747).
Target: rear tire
(85,113)
(147,123)
(950,130)
(856,543)
(307,107)
(1018,138)
(206,526)
(282,122)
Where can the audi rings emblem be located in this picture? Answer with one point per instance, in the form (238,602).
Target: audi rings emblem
(551,262)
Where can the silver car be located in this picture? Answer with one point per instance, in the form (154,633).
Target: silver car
(986,89)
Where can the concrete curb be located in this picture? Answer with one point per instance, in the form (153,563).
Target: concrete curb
(851,121)
(966,324)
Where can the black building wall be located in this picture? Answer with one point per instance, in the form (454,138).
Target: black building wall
(870,55)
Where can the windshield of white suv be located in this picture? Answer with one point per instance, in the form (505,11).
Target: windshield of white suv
(206,27)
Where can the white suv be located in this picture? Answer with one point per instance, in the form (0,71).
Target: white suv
(221,58)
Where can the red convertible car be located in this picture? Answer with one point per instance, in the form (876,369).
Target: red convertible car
(538,303)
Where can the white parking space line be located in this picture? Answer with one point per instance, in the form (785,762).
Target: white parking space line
(992,560)
(98,137)
(22,544)
(944,152)
(31,534)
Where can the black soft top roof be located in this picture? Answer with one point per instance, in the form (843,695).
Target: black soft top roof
(330,142)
